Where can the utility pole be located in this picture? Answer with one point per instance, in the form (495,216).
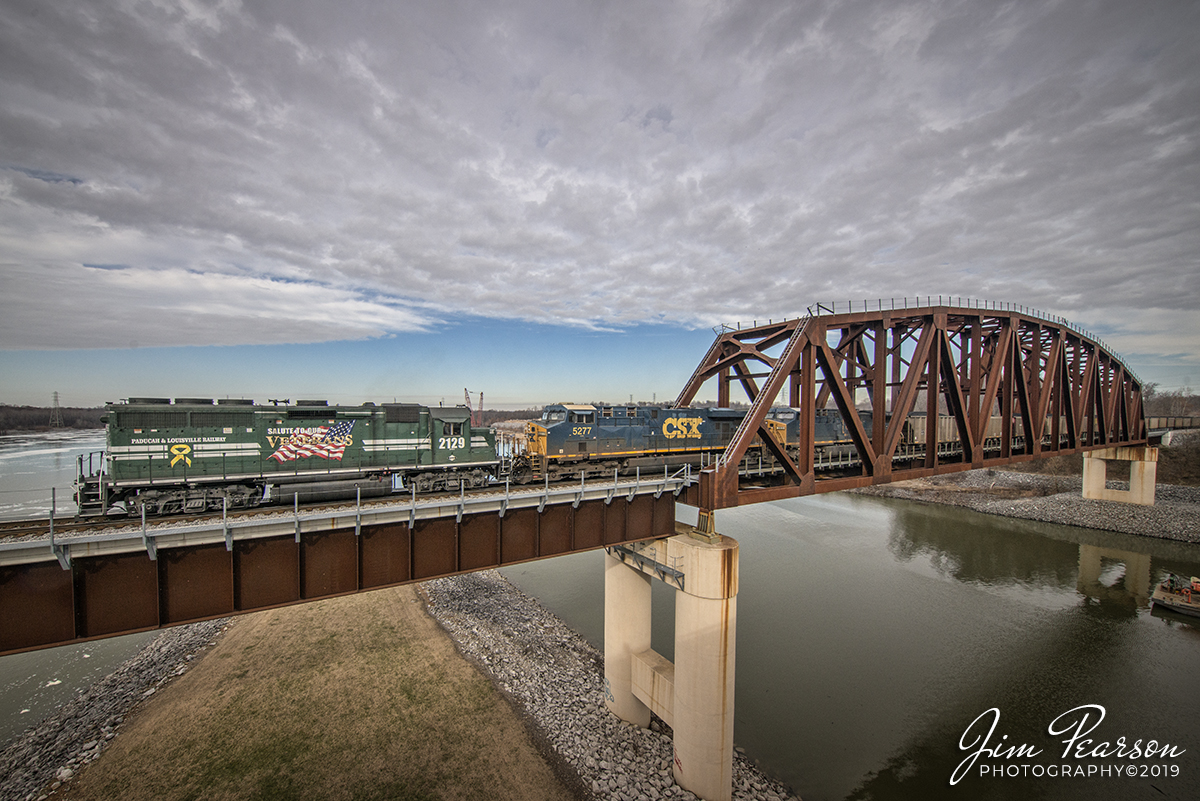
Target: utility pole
(56,420)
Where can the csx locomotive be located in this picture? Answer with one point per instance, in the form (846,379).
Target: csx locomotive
(595,440)
(194,455)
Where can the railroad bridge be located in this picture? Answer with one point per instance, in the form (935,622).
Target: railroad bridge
(923,387)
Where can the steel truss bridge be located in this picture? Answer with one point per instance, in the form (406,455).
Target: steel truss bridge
(1054,389)
(1011,383)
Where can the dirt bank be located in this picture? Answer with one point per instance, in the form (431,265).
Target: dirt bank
(360,697)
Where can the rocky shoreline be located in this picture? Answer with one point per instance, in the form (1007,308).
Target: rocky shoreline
(555,678)
(1175,514)
(39,760)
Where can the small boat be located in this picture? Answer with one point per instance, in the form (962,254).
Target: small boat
(1178,595)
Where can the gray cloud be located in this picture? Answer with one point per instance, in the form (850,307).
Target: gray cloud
(299,171)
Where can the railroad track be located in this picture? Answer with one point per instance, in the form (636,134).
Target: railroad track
(10,529)
(36,526)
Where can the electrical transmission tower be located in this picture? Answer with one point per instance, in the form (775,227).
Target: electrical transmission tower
(56,420)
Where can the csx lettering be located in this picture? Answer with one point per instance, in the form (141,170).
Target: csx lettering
(682,427)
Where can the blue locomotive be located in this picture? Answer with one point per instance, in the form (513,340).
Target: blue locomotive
(575,439)
(595,440)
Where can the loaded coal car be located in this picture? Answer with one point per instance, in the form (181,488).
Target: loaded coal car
(834,447)
(193,455)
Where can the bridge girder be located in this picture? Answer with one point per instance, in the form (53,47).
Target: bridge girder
(1055,391)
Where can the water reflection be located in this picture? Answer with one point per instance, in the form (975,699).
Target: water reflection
(959,547)
(1093,650)
(1131,587)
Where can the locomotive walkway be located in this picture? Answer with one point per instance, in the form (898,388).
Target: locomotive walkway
(1010,383)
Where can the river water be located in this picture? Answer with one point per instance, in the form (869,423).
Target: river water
(870,634)
(34,685)
(32,465)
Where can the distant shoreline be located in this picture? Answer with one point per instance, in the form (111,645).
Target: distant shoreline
(1175,514)
(36,419)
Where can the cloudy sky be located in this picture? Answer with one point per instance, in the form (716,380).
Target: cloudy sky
(553,200)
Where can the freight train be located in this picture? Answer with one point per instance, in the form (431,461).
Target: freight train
(195,455)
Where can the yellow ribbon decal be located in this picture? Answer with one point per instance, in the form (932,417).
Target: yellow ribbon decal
(181,452)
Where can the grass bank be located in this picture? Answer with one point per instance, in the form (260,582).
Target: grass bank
(361,697)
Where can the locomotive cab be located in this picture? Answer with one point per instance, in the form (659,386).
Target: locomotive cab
(450,434)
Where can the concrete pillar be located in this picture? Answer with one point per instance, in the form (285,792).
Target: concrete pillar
(626,632)
(1143,468)
(695,694)
(705,649)
(1143,475)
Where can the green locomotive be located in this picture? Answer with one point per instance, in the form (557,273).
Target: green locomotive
(194,455)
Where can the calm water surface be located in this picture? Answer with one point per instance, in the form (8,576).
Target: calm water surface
(33,464)
(872,632)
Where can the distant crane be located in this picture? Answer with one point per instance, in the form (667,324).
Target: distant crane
(476,414)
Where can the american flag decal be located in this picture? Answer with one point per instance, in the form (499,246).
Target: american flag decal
(328,442)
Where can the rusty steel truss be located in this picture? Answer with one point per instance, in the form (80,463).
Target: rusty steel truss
(1009,385)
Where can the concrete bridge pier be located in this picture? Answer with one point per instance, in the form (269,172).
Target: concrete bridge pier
(694,695)
(626,632)
(1143,467)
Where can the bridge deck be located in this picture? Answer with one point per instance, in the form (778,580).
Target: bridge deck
(101,584)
